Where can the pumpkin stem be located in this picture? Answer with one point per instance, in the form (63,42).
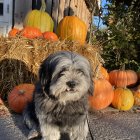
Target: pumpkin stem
(43,6)
(21,91)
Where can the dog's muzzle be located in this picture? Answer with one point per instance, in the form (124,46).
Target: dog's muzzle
(71,86)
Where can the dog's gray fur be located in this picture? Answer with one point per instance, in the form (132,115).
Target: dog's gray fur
(60,102)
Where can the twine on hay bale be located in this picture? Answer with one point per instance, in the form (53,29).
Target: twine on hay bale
(20,58)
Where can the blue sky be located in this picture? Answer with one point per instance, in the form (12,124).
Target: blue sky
(96,18)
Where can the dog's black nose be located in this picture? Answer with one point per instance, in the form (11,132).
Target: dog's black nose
(71,84)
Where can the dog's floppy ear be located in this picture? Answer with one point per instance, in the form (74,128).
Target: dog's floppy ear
(44,76)
(91,88)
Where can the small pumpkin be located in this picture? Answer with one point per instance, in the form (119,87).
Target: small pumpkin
(72,28)
(31,32)
(123,78)
(104,73)
(20,96)
(39,19)
(103,94)
(13,32)
(123,99)
(137,96)
(50,36)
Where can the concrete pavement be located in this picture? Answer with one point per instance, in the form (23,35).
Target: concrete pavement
(104,125)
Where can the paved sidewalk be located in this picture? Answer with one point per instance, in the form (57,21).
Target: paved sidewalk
(115,125)
(104,125)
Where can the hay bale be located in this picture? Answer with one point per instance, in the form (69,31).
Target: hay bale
(20,58)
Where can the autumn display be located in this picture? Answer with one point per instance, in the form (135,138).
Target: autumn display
(24,50)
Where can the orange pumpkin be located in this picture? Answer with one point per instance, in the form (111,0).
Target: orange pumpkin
(123,78)
(50,36)
(20,96)
(13,32)
(103,94)
(137,97)
(31,32)
(123,99)
(104,73)
(72,28)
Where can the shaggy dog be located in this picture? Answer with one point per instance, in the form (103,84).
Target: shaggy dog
(60,102)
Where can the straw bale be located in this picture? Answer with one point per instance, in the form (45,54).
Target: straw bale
(20,58)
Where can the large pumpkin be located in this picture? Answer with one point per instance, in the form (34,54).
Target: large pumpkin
(103,94)
(20,96)
(123,78)
(123,99)
(39,19)
(72,28)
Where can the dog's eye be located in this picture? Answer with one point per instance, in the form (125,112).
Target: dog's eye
(61,74)
(80,71)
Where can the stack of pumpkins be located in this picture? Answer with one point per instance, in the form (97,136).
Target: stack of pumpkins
(109,89)
(113,89)
(39,23)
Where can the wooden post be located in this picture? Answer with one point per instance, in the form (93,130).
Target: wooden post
(91,28)
(49,7)
(72,8)
(55,13)
(61,9)
(76,7)
(66,11)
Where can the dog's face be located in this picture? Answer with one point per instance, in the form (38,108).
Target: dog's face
(66,76)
